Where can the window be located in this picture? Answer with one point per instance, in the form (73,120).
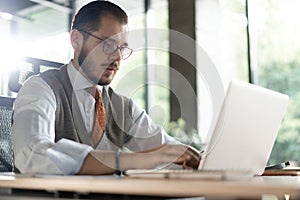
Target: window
(36,35)
(221,33)
(144,76)
(276,38)
(274,47)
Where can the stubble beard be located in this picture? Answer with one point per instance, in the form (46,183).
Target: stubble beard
(102,80)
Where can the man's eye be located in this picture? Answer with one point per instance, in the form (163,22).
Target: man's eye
(110,46)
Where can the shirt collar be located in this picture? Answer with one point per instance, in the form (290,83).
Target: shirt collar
(78,81)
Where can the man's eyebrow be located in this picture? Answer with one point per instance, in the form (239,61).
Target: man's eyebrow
(113,40)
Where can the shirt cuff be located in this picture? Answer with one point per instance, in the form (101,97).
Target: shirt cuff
(68,155)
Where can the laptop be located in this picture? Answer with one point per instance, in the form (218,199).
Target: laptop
(243,137)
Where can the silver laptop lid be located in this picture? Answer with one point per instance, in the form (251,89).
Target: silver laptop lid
(246,129)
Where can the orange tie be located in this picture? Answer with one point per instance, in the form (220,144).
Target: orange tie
(100,115)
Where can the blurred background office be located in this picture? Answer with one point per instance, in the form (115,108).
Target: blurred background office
(255,41)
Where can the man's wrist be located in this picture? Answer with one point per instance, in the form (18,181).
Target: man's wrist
(118,171)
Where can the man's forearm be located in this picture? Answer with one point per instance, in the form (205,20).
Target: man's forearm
(104,162)
(92,165)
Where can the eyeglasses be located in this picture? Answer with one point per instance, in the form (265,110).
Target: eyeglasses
(110,47)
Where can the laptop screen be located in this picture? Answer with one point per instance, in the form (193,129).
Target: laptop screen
(246,129)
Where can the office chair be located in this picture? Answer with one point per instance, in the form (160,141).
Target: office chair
(6,151)
(29,66)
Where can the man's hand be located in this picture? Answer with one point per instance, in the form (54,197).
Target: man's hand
(180,154)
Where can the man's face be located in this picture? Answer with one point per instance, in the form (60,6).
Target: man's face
(94,60)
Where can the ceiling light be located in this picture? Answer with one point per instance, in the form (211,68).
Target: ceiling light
(9,17)
(6,16)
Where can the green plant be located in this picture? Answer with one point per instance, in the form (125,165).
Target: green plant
(184,134)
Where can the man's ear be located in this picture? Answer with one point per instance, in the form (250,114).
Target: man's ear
(76,39)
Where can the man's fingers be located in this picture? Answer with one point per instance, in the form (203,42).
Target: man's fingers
(176,153)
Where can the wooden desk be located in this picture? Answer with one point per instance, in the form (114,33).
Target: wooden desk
(247,188)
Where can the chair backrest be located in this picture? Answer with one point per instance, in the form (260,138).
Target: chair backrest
(6,151)
(28,67)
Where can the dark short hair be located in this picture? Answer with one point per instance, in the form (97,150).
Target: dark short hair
(88,17)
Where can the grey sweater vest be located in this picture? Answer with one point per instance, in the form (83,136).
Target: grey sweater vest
(68,120)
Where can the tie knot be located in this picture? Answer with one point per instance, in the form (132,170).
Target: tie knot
(95,92)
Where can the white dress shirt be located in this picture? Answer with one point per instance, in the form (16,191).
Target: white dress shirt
(33,130)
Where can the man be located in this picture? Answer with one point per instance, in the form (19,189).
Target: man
(62,125)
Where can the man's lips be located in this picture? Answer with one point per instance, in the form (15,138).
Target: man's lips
(111,67)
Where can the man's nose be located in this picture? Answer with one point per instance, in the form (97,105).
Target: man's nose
(116,55)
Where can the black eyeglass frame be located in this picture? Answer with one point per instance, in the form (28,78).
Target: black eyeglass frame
(123,55)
